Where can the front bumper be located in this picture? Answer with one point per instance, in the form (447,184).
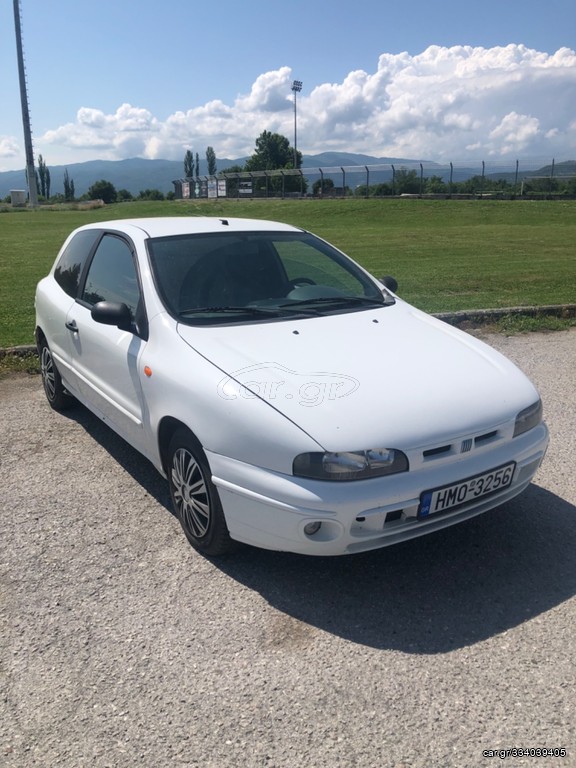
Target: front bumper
(271,510)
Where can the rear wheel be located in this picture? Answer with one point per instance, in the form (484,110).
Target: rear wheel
(56,394)
(195,497)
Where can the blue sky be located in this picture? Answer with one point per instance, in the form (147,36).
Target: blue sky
(443,80)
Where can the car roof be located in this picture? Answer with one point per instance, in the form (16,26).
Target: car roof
(163,226)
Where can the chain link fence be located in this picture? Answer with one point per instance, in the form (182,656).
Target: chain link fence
(478,179)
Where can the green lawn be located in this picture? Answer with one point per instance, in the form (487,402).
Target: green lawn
(446,254)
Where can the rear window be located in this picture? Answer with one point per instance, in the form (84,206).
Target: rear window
(71,263)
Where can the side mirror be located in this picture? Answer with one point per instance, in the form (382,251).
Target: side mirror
(112,313)
(390,282)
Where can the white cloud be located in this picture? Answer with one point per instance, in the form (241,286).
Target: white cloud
(515,132)
(126,133)
(268,94)
(443,104)
(8,147)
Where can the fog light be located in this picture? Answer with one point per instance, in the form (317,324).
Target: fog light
(311,528)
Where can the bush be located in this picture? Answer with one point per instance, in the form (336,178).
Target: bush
(150,194)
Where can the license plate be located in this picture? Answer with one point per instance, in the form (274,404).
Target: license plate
(451,496)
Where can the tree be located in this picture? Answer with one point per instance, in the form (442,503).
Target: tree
(273,152)
(124,195)
(435,185)
(383,189)
(211,161)
(233,169)
(571,186)
(43,177)
(188,164)
(197,165)
(68,187)
(406,182)
(321,187)
(540,185)
(103,190)
(472,185)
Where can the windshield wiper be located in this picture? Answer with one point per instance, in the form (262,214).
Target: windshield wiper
(363,300)
(234,310)
(285,308)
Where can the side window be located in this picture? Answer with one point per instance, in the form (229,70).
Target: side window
(112,275)
(71,262)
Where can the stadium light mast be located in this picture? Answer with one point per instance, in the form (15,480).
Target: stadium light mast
(30,170)
(296,88)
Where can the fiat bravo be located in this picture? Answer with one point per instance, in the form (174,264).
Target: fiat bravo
(291,400)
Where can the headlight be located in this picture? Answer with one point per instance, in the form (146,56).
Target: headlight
(528,418)
(350,465)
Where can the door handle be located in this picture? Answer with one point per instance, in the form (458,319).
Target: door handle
(71,325)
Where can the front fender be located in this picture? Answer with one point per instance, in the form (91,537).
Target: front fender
(180,384)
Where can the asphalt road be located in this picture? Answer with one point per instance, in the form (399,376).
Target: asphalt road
(120,646)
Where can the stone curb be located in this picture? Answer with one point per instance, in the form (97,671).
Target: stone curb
(463,317)
(486,316)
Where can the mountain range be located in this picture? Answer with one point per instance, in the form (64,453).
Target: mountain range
(137,174)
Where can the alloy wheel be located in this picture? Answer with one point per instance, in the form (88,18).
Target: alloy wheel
(48,374)
(190,493)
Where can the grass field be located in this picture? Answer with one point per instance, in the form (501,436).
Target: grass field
(446,255)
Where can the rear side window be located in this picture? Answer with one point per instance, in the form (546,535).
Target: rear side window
(71,262)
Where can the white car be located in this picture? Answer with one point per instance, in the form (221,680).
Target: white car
(292,400)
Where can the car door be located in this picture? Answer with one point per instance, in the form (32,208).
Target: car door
(56,296)
(106,358)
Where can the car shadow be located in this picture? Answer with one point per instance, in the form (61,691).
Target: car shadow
(142,470)
(444,591)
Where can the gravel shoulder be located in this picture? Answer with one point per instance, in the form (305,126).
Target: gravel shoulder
(121,646)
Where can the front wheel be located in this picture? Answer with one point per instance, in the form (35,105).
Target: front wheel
(195,497)
(54,389)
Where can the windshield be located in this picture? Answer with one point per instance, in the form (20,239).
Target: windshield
(247,277)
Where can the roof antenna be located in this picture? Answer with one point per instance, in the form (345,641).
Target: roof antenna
(224,222)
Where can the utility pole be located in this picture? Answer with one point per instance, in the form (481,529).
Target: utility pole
(30,170)
(296,87)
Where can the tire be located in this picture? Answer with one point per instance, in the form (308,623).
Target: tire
(55,392)
(195,497)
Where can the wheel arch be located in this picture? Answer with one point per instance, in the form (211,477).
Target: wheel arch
(195,498)
(39,336)
(167,427)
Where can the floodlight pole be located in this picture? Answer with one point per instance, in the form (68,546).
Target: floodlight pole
(296,88)
(30,171)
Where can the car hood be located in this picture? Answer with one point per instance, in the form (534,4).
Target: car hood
(387,377)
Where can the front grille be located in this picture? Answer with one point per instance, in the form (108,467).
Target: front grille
(436,451)
(485,438)
(462,446)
